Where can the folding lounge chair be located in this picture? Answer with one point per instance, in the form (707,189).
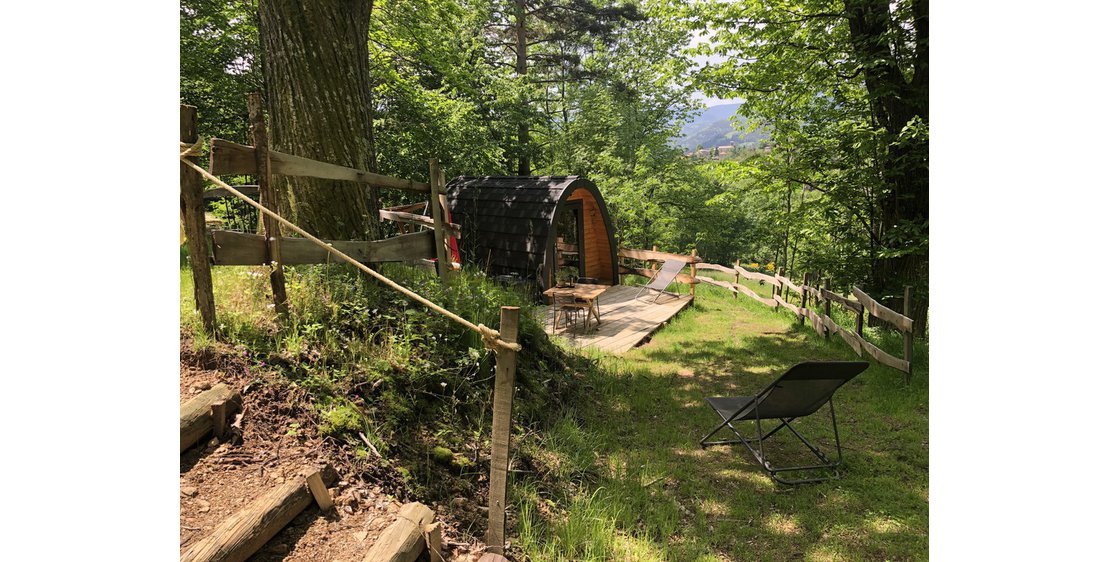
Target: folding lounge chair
(801,391)
(664,277)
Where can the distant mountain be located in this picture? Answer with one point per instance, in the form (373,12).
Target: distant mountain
(713,128)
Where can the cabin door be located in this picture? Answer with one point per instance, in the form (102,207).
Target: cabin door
(570,257)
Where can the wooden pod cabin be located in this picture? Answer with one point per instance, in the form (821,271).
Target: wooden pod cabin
(534,227)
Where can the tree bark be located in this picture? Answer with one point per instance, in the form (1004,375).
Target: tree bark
(524,166)
(316,65)
(896,101)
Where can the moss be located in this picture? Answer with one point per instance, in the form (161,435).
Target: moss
(340,420)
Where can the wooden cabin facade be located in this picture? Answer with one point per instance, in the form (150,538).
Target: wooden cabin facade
(510,226)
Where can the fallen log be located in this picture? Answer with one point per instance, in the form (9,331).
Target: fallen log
(196,414)
(403,541)
(238,537)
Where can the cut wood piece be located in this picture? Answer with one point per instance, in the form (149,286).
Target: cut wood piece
(402,541)
(757,276)
(716,283)
(319,491)
(410,218)
(788,284)
(433,537)
(237,248)
(230,158)
(790,307)
(196,414)
(831,296)
(876,309)
(652,255)
(239,536)
(219,418)
(765,300)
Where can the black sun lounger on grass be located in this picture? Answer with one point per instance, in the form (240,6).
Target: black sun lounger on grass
(799,392)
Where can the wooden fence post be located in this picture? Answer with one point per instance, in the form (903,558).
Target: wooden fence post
(267,197)
(504,381)
(693,271)
(828,304)
(907,337)
(192,211)
(434,179)
(782,287)
(805,296)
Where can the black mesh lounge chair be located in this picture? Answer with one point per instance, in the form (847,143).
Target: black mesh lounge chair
(662,278)
(801,391)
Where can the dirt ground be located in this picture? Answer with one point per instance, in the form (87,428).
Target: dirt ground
(277,441)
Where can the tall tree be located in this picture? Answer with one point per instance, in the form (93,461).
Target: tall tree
(316,69)
(843,86)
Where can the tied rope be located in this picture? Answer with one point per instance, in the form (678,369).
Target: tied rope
(491,338)
(192,149)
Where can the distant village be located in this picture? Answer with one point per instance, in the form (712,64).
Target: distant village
(725,151)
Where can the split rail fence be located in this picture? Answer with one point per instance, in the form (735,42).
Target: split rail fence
(654,257)
(235,248)
(808,296)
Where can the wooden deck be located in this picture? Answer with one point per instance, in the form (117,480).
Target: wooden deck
(625,321)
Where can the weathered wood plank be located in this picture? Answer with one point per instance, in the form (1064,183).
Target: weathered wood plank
(790,307)
(831,296)
(765,300)
(873,306)
(230,158)
(853,339)
(501,430)
(237,248)
(268,199)
(196,414)
(884,357)
(410,218)
(714,282)
(717,267)
(402,541)
(757,276)
(652,255)
(815,319)
(786,282)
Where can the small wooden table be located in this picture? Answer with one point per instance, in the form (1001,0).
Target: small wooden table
(583,291)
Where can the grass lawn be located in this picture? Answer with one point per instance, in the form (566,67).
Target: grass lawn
(623,477)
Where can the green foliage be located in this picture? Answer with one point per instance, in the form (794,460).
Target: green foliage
(339,421)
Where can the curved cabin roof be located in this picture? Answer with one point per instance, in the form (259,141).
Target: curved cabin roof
(508,224)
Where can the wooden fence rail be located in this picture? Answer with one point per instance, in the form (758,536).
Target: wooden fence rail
(809,296)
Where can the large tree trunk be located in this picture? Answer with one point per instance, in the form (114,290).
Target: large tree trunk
(524,167)
(896,101)
(316,65)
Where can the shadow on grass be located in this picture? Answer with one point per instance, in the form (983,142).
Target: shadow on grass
(672,500)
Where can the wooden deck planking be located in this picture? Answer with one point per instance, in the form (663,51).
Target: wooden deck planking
(625,321)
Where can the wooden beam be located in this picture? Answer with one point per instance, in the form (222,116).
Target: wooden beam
(229,158)
(786,282)
(873,306)
(242,534)
(907,337)
(196,414)
(504,382)
(853,339)
(715,267)
(268,199)
(192,214)
(433,537)
(756,276)
(815,320)
(237,248)
(410,218)
(884,357)
(652,255)
(828,295)
(790,307)
(435,176)
(716,283)
(767,301)
(319,491)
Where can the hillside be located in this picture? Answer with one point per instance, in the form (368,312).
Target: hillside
(713,128)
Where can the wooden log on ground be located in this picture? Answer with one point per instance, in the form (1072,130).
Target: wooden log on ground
(433,537)
(230,158)
(237,248)
(652,255)
(403,541)
(196,414)
(903,323)
(239,536)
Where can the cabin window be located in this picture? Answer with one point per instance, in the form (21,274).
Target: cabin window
(569,250)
